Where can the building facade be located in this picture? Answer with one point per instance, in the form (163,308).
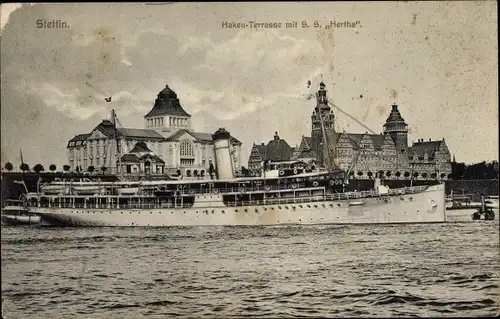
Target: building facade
(167,144)
(275,150)
(365,155)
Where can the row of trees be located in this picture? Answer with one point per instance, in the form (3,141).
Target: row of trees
(38,168)
(482,170)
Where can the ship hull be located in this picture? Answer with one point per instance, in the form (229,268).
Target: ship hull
(424,207)
(20,220)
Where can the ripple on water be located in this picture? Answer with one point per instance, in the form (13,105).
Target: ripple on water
(278,271)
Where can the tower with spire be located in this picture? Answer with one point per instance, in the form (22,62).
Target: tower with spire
(167,115)
(396,127)
(322,112)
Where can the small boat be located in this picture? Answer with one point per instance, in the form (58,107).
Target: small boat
(54,189)
(89,189)
(16,213)
(128,190)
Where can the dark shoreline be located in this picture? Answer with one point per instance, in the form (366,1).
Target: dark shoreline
(11,190)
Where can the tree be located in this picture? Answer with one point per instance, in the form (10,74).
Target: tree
(103,169)
(91,169)
(66,167)
(244,171)
(407,174)
(9,166)
(38,168)
(398,173)
(24,167)
(424,175)
(52,167)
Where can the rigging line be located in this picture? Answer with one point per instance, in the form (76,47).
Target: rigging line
(353,118)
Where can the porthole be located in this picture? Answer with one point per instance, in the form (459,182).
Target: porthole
(331,205)
(308,206)
(246,210)
(338,205)
(300,206)
(236,210)
(323,205)
(223,212)
(151,212)
(256,210)
(315,206)
(272,208)
(286,207)
(279,207)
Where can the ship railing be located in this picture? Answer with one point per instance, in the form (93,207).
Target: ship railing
(373,193)
(276,201)
(121,206)
(243,189)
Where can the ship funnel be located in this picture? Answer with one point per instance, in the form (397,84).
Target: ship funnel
(224,165)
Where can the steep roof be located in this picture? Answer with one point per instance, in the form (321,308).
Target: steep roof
(80,137)
(154,157)
(420,148)
(130,158)
(200,136)
(355,139)
(143,133)
(278,149)
(107,128)
(140,147)
(167,103)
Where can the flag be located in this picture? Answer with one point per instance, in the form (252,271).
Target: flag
(108,99)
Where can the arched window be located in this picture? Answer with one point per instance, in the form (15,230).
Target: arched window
(186,148)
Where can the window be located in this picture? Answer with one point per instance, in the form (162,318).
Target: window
(186,148)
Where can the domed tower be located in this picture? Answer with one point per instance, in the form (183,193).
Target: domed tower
(324,112)
(397,129)
(167,115)
(223,163)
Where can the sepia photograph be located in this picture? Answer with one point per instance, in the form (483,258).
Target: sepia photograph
(250,160)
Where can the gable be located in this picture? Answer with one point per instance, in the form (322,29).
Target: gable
(366,142)
(97,134)
(344,141)
(388,143)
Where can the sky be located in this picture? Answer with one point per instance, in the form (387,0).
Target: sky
(436,60)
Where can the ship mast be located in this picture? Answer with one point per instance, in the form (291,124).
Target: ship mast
(117,141)
(326,153)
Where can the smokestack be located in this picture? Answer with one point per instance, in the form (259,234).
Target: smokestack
(224,164)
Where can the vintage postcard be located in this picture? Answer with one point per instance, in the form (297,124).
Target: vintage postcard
(296,159)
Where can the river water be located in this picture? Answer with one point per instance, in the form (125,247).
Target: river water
(449,269)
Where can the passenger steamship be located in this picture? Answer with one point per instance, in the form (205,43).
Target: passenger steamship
(277,197)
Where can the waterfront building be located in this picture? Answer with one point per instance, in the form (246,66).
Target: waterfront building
(167,144)
(364,155)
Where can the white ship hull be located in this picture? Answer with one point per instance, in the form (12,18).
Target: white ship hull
(424,207)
